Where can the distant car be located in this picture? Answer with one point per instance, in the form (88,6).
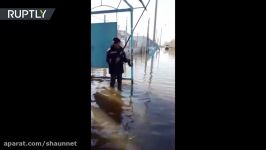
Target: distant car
(166,47)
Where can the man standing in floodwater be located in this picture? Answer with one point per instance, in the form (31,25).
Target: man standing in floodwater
(115,58)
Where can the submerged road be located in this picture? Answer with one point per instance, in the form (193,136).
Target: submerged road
(147,121)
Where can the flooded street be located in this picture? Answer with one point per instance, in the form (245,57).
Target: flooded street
(147,119)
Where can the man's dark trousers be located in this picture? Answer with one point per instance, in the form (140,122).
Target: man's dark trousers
(119,80)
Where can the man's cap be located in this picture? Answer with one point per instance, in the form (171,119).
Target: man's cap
(116,40)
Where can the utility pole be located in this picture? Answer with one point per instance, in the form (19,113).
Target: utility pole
(155,19)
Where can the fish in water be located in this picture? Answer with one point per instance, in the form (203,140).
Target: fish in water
(109,100)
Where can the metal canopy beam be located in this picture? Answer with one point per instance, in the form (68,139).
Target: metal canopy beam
(103,6)
(142,4)
(110,11)
(128,4)
(139,7)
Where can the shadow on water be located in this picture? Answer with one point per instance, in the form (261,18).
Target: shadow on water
(141,117)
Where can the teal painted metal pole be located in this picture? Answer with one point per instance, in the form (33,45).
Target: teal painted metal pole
(131,43)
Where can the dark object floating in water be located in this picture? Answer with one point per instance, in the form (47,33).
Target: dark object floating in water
(109,100)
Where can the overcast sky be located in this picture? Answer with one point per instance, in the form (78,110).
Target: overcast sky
(165,17)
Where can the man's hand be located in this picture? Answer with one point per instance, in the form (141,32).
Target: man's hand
(129,63)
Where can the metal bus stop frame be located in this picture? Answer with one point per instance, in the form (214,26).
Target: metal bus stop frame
(116,10)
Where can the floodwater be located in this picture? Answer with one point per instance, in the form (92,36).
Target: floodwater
(147,120)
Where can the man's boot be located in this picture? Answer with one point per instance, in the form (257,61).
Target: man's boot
(112,82)
(119,87)
(119,82)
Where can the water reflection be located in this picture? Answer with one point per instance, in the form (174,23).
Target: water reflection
(152,59)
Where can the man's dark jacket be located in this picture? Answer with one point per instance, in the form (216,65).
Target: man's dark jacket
(115,58)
